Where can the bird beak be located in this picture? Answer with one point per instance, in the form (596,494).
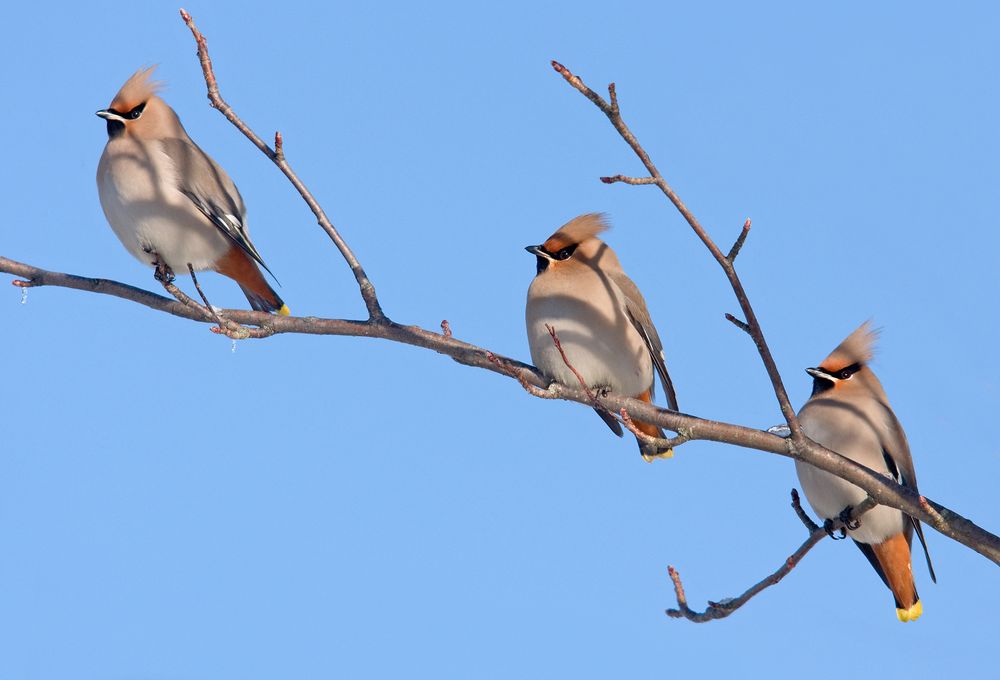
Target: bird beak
(109,115)
(537,250)
(818,373)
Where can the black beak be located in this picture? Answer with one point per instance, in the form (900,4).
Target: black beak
(536,250)
(109,115)
(819,373)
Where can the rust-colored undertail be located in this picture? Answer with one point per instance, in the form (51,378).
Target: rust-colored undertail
(238,266)
(893,556)
(648,451)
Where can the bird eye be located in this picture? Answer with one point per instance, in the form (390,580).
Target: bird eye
(845,374)
(134,113)
(565,252)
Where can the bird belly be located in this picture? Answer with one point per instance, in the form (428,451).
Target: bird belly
(153,219)
(607,352)
(829,495)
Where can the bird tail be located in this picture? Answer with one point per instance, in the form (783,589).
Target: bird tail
(238,266)
(269,301)
(893,557)
(651,451)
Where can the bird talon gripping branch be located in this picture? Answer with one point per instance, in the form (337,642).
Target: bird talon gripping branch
(851,523)
(828,527)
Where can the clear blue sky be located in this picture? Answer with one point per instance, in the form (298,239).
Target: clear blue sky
(329,507)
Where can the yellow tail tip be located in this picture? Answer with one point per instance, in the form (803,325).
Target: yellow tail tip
(284,311)
(911,614)
(650,457)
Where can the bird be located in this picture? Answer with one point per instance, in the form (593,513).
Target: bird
(168,202)
(849,413)
(600,317)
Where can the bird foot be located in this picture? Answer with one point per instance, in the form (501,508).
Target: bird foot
(832,533)
(163,273)
(849,522)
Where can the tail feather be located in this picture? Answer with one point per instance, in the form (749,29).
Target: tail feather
(895,568)
(238,266)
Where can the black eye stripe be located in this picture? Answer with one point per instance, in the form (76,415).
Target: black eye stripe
(133,114)
(846,372)
(563,254)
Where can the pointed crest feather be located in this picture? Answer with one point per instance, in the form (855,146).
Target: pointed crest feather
(858,347)
(576,231)
(136,90)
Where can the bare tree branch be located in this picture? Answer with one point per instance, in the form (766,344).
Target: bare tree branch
(234,323)
(613,114)
(725,607)
(277,156)
(884,490)
(800,446)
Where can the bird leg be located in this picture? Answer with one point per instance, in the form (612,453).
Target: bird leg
(162,271)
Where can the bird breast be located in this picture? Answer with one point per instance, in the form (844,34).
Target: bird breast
(587,313)
(852,429)
(141,198)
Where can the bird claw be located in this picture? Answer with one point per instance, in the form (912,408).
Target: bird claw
(849,522)
(163,273)
(832,533)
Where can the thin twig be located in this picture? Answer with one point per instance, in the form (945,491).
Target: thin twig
(583,383)
(629,180)
(742,325)
(614,116)
(725,607)
(277,156)
(735,250)
(810,525)
(231,329)
(204,298)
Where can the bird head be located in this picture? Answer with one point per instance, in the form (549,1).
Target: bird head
(846,368)
(135,109)
(575,242)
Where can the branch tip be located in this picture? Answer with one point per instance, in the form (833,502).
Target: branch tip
(735,250)
(742,325)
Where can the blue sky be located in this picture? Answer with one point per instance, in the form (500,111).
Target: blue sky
(335,507)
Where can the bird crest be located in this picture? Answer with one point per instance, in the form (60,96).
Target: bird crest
(857,348)
(137,90)
(576,231)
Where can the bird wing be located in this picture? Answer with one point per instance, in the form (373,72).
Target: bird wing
(212,191)
(896,452)
(635,308)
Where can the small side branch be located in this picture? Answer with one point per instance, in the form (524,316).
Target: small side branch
(753,327)
(742,325)
(277,156)
(725,607)
(629,180)
(583,383)
(740,240)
